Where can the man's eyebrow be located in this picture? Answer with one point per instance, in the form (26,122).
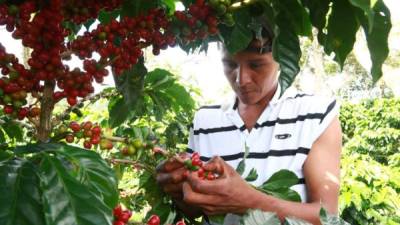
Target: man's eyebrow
(227,60)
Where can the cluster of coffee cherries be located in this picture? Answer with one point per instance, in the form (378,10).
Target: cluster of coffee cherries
(41,26)
(120,42)
(155,220)
(80,11)
(195,164)
(15,84)
(221,7)
(121,217)
(88,132)
(197,22)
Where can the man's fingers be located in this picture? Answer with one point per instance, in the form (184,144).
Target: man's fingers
(169,165)
(194,198)
(174,177)
(206,186)
(170,188)
(216,165)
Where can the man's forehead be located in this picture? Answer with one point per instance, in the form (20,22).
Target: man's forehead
(256,46)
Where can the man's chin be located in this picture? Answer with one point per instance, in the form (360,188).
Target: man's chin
(248,100)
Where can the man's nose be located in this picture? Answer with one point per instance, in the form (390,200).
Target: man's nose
(243,75)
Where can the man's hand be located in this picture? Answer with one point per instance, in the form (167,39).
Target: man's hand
(170,177)
(227,194)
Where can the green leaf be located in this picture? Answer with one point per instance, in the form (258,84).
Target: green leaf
(130,84)
(377,39)
(296,15)
(119,112)
(286,51)
(106,17)
(217,219)
(5,155)
(170,5)
(282,193)
(327,219)
(13,131)
(240,168)
(159,79)
(164,211)
(241,36)
(295,221)
(342,28)
(258,217)
(89,23)
(318,14)
(133,8)
(252,176)
(66,200)
(366,6)
(281,179)
(2,136)
(20,201)
(93,172)
(35,148)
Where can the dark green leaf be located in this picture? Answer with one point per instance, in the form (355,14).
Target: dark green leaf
(164,211)
(286,51)
(377,39)
(20,201)
(134,8)
(318,14)
(89,23)
(252,175)
(66,200)
(119,112)
(106,17)
(5,155)
(283,193)
(281,179)
(240,168)
(35,148)
(217,219)
(258,217)
(130,84)
(342,29)
(296,16)
(240,37)
(93,172)
(366,6)
(2,136)
(13,131)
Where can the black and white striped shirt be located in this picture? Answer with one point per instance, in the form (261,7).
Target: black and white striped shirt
(281,138)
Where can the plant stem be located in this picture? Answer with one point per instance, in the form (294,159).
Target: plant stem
(47,107)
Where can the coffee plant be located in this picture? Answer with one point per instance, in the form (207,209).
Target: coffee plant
(57,167)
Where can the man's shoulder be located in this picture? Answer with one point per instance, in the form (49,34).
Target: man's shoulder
(303,102)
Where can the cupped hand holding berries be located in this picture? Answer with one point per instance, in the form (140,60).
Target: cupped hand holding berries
(170,176)
(229,193)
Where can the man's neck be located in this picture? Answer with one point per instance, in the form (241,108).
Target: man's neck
(251,112)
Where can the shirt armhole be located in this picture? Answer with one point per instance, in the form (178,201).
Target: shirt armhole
(331,110)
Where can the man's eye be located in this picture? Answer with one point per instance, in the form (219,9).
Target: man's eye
(230,65)
(255,65)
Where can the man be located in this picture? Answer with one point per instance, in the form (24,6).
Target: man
(297,132)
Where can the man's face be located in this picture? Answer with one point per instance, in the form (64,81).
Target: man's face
(252,76)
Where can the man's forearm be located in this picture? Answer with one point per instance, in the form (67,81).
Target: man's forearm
(283,208)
